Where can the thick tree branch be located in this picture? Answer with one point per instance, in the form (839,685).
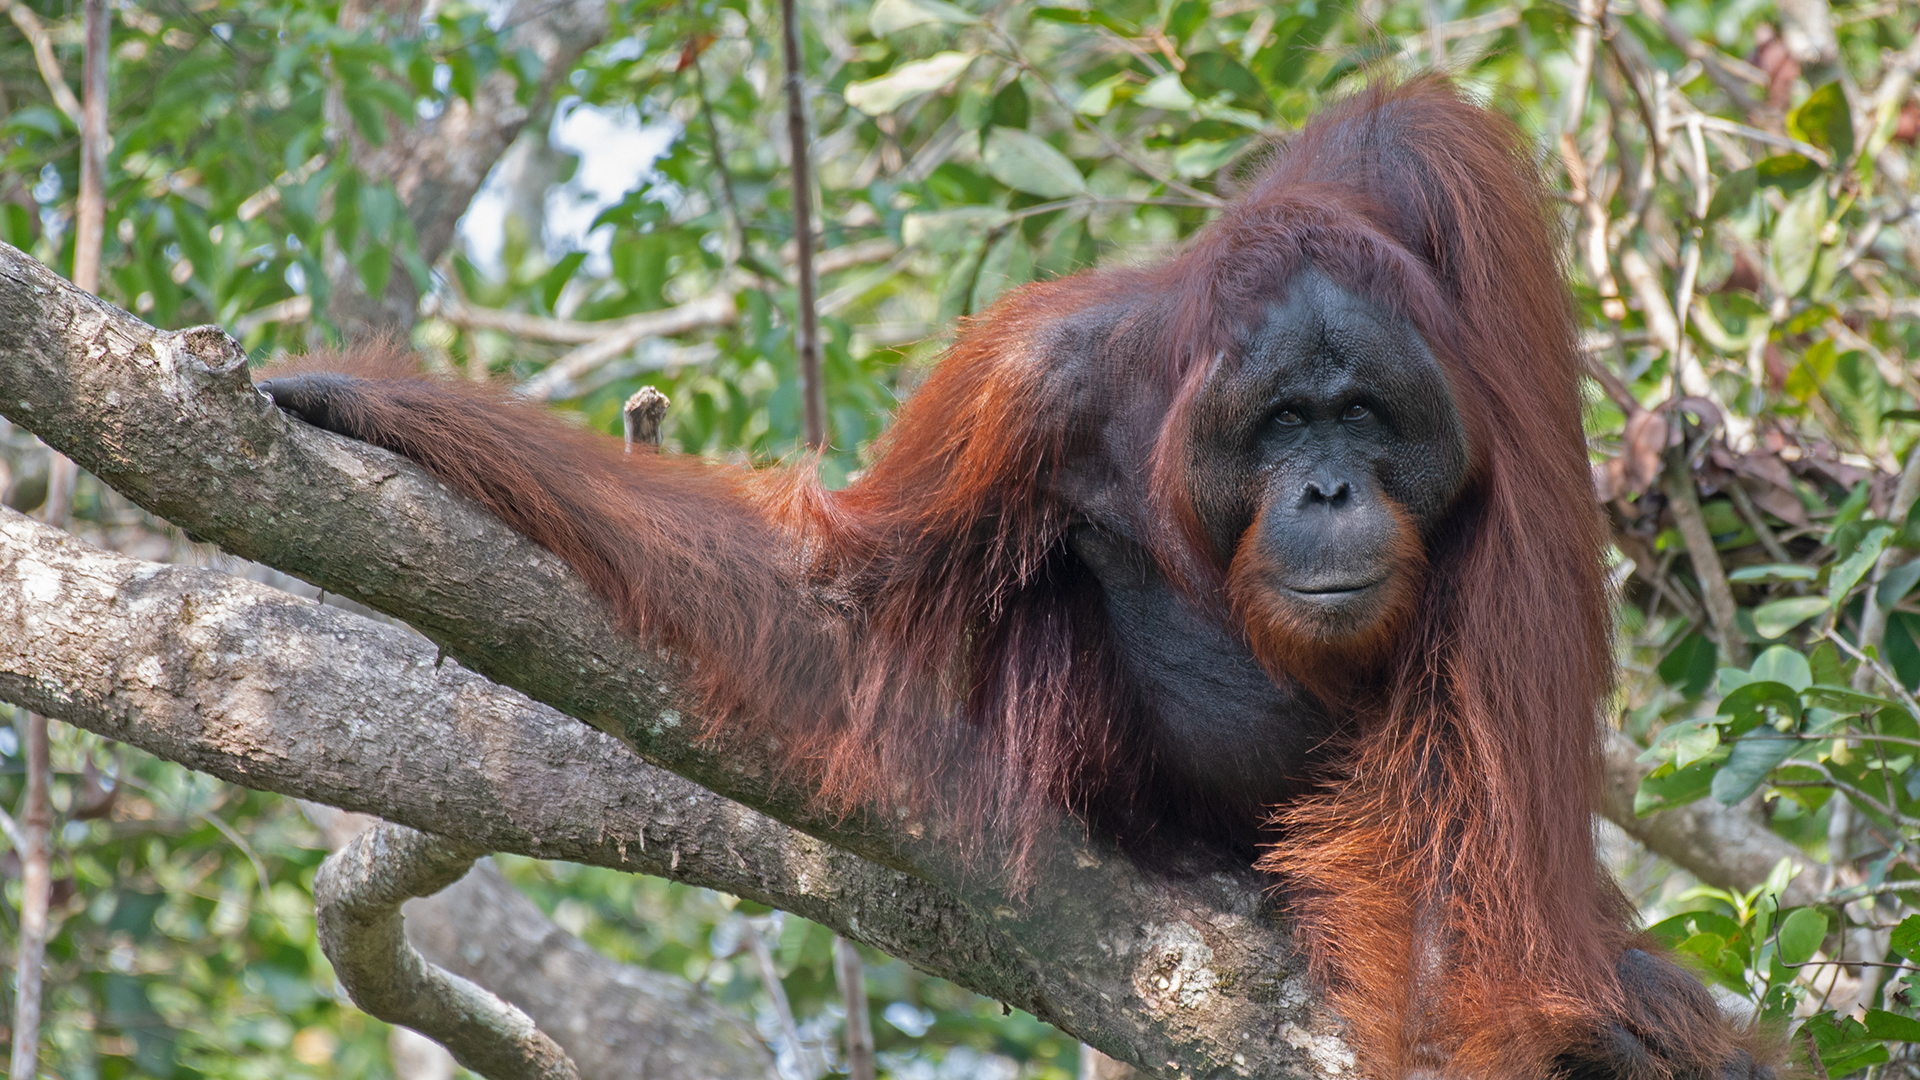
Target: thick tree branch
(357,896)
(1189,974)
(616,1021)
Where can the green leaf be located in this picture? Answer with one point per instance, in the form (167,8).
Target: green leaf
(1801,934)
(1845,697)
(1097,100)
(420,68)
(1010,107)
(390,94)
(466,78)
(1774,572)
(1749,704)
(1672,931)
(1826,665)
(1906,936)
(1848,572)
(368,117)
(1845,1045)
(375,263)
(1165,92)
(1814,369)
(878,97)
(1185,18)
(1212,72)
(1078,17)
(1777,617)
(16,228)
(1909,534)
(1732,321)
(892,16)
(1666,787)
(1825,121)
(1691,743)
(1783,665)
(1788,172)
(1783,871)
(1896,585)
(1882,1024)
(346,209)
(41,118)
(1008,262)
(1855,1058)
(1735,191)
(1204,157)
(1024,162)
(945,231)
(1753,757)
(1688,667)
(1796,238)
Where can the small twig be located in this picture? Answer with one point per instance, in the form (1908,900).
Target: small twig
(1896,79)
(90,213)
(808,1062)
(12,830)
(1585,35)
(713,310)
(1854,963)
(641,417)
(36,889)
(1859,892)
(1709,122)
(807,324)
(42,43)
(853,994)
(1714,590)
(1889,678)
(1743,504)
(1617,392)
(1473,26)
(1852,792)
(357,898)
(1719,68)
(738,222)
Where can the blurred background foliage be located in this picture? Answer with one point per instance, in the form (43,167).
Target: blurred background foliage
(1743,234)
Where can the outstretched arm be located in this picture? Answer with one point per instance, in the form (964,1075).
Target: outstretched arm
(898,640)
(683,549)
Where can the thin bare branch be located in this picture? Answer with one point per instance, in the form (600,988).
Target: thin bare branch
(357,898)
(37,37)
(813,391)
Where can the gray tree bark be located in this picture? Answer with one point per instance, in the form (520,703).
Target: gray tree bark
(616,1021)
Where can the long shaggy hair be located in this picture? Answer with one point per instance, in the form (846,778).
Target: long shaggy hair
(925,639)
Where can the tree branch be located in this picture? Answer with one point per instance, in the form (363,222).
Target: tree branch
(1188,974)
(1720,845)
(37,37)
(357,897)
(616,1021)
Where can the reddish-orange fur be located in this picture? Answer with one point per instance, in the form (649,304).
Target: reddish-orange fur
(1330,667)
(926,623)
